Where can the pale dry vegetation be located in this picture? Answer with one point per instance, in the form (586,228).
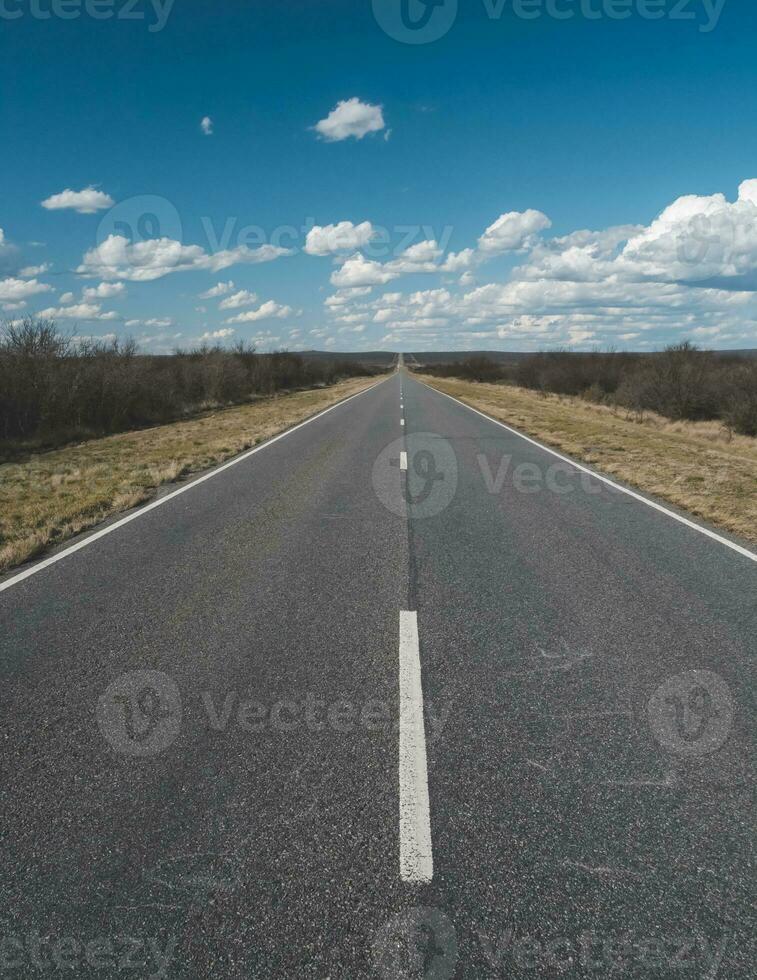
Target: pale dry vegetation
(701,467)
(48,497)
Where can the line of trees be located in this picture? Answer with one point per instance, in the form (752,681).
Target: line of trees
(54,390)
(681,382)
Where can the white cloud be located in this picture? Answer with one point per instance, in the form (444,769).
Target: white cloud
(344,296)
(421,257)
(330,239)
(117,258)
(220,289)
(242,298)
(12,290)
(8,253)
(350,118)
(459,261)
(359,271)
(206,125)
(79,311)
(153,322)
(32,270)
(107,338)
(513,231)
(697,238)
(66,298)
(105,290)
(266,311)
(221,334)
(87,201)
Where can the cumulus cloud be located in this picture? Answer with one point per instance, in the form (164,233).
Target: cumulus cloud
(344,296)
(698,238)
(359,271)
(81,339)
(77,311)
(513,231)
(459,261)
(220,289)
(221,334)
(421,257)
(267,311)
(330,239)
(105,290)
(87,201)
(206,125)
(154,322)
(117,258)
(12,290)
(242,298)
(32,270)
(8,258)
(351,118)
(691,272)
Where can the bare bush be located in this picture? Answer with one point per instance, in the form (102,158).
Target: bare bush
(53,390)
(680,383)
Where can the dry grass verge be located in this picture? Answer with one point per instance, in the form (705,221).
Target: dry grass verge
(52,496)
(694,465)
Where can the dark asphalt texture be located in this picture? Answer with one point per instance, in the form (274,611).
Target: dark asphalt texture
(199,722)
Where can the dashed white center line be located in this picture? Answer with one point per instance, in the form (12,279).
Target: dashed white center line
(402,421)
(403,461)
(416,855)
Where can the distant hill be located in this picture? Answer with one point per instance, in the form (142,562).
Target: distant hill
(447,357)
(371,358)
(500,356)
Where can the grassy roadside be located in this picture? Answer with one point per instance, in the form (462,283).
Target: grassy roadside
(52,496)
(694,465)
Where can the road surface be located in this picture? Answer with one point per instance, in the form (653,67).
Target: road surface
(400,694)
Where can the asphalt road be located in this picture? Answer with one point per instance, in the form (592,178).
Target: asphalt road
(226,755)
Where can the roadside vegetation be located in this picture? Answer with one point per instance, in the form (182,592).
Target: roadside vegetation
(680,383)
(53,393)
(703,466)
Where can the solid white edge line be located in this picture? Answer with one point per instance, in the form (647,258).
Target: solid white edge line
(403,461)
(416,855)
(604,479)
(91,538)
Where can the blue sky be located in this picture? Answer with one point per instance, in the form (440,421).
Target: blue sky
(567,139)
